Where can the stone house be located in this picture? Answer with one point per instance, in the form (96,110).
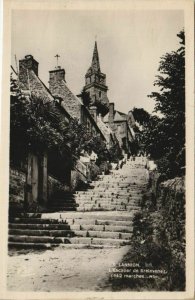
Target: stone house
(120,124)
(34,174)
(41,172)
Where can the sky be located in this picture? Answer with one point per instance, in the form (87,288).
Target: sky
(130,44)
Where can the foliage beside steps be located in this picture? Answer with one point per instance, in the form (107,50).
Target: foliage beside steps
(159,238)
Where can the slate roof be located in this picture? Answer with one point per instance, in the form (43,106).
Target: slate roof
(36,86)
(118,116)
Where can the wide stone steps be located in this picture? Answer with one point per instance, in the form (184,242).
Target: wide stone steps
(86,229)
(101,216)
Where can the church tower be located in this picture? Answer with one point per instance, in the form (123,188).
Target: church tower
(95,83)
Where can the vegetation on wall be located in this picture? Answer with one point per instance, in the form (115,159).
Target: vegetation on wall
(158,241)
(42,126)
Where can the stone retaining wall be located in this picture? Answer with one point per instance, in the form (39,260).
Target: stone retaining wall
(17,181)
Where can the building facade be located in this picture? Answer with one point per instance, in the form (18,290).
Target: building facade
(44,170)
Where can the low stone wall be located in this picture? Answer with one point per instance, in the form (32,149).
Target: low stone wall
(171,193)
(56,188)
(77,179)
(83,173)
(17,180)
(94,171)
(105,167)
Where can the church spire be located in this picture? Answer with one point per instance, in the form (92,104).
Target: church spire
(95,65)
(95,82)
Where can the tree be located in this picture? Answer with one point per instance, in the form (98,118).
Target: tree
(140,115)
(167,137)
(85,96)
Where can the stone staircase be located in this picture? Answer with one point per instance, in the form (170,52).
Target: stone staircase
(103,216)
(65,202)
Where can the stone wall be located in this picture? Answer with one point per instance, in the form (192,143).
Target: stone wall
(171,193)
(17,181)
(56,189)
(77,179)
(94,171)
(79,175)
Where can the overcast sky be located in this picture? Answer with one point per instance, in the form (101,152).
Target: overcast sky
(130,44)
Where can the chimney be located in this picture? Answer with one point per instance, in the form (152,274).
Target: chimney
(55,76)
(93,112)
(111,112)
(28,63)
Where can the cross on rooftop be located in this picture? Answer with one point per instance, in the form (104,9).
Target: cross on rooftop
(57,56)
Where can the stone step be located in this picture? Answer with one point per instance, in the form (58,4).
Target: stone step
(115,184)
(38,221)
(89,207)
(39,229)
(116,191)
(104,216)
(112,228)
(64,200)
(108,204)
(103,234)
(65,240)
(121,226)
(37,239)
(42,232)
(39,246)
(27,215)
(99,241)
(62,208)
(111,196)
(99,222)
(39,226)
(110,193)
(68,233)
(107,207)
(114,200)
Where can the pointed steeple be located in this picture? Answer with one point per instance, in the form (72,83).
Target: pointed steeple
(95,65)
(95,81)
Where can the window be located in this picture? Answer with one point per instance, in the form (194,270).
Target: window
(100,94)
